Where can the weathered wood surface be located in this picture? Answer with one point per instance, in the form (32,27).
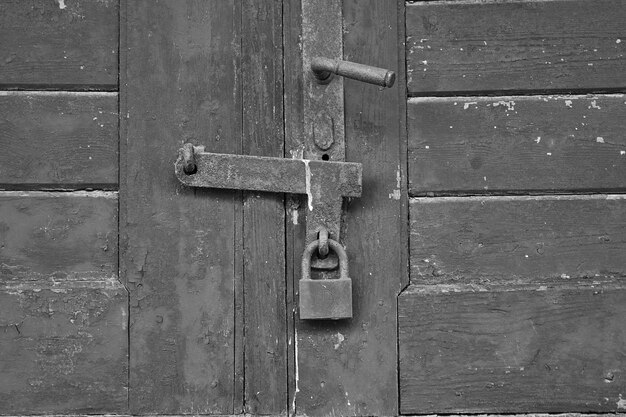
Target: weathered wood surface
(515,45)
(350,367)
(517,144)
(63,347)
(513,350)
(63,313)
(69,44)
(58,140)
(517,239)
(181,71)
(46,236)
(265,347)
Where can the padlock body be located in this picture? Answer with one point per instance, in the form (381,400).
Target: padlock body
(329,299)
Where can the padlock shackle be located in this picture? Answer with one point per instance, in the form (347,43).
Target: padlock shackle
(335,247)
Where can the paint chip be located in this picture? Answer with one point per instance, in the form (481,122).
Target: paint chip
(538,139)
(63,6)
(600,139)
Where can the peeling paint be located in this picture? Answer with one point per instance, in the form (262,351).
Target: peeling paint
(340,339)
(395,195)
(510,105)
(294,216)
(469,103)
(296,376)
(307,179)
(621,404)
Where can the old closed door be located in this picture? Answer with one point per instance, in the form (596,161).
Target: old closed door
(485,250)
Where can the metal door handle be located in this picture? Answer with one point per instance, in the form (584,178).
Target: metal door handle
(324,68)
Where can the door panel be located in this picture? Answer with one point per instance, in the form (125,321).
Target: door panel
(522,348)
(58,140)
(69,44)
(515,302)
(516,239)
(349,367)
(178,244)
(205,268)
(63,312)
(516,144)
(464,46)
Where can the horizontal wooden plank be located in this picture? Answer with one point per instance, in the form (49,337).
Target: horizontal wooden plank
(519,351)
(59,43)
(504,144)
(515,45)
(517,239)
(54,236)
(58,140)
(63,347)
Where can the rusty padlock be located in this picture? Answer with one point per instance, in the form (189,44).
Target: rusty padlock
(325,298)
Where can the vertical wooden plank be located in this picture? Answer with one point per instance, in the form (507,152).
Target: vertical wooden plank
(177,252)
(350,367)
(294,134)
(263,213)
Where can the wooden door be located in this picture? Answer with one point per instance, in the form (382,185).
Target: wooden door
(485,251)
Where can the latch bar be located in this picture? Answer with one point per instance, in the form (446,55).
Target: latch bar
(319,180)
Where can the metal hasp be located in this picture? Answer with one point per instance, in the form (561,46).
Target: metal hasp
(325,183)
(324,68)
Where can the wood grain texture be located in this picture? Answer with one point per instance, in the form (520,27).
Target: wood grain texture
(517,144)
(57,236)
(517,239)
(265,350)
(63,347)
(515,351)
(350,367)
(58,140)
(181,71)
(71,44)
(517,45)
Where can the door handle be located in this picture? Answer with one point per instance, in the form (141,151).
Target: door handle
(324,68)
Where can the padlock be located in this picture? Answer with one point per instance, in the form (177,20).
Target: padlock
(325,298)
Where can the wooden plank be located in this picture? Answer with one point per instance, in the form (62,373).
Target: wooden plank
(63,347)
(58,140)
(182,84)
(70,44)
(516,45)
(522,350)
(514,144)
(295,227)
(49,236)
(517,239)
(265,352)
(349,367)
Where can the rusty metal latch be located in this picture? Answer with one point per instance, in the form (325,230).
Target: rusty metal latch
(325,184)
